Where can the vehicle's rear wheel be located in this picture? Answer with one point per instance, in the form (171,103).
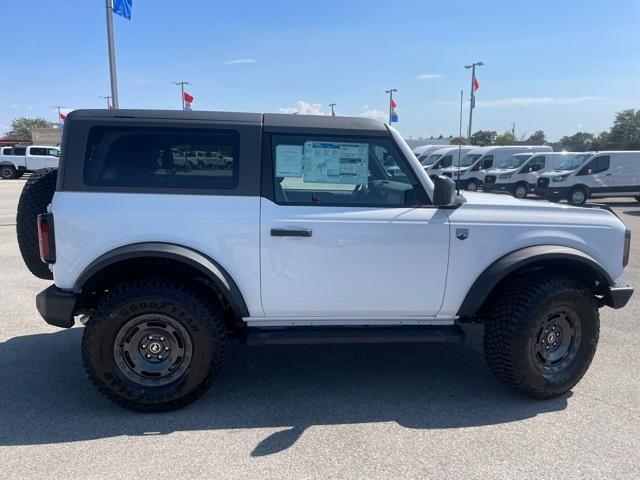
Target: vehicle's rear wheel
(521,190)
(154,344)
(577,196)
(35,197)
(7,172)
(541,334)
(472,185)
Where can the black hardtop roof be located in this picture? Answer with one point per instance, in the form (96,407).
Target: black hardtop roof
(268,120)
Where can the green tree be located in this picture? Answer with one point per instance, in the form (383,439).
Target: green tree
(625,132)
(538,138)
(506,138)
(21,128)
(580,142)
(483,138)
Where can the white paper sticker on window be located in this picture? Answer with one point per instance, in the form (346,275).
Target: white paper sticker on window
(289,161)
(336,162)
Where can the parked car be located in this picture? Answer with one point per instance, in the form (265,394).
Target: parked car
(519,175)
(16,161)
(307,240)
(438,160)
(470,173)
(593,175)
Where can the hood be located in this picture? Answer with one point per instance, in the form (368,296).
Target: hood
(498,171)
(456,169)
(495,199)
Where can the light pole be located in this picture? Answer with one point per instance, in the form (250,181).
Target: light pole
(112,53)
(472,98)
(333,112)
(108,99)
(181,84)
(390,92)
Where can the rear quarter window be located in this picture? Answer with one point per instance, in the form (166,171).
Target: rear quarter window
(161,157)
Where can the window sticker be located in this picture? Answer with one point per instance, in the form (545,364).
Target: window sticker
(334,162)
(289,161)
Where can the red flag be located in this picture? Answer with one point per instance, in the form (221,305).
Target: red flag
(476,85)
(393,103)
(63,117)
(188,98)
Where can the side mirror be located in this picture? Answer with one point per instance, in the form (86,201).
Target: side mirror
(589,171)
(444,191)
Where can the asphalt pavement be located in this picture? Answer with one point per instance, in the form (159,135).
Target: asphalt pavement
(363,411)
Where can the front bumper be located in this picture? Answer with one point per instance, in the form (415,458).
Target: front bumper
(498,187)
(551,192)
(616,296)
(57,306)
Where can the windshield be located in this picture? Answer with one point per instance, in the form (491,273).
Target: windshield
(573,162)
(515,161)
(431,159)
(468,159)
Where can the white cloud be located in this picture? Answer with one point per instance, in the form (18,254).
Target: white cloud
(304,108)
(15,106)
(239,61)
(374,113)
(429,76)
(528,101)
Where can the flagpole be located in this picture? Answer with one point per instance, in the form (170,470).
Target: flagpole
(112,54)
(390,92)
(472,102)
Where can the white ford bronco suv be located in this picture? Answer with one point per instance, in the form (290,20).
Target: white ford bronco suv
(302,236)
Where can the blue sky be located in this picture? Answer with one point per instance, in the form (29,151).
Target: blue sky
(560,66)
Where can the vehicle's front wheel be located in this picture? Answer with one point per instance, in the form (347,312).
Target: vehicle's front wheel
(521,190)
(577,196)
(541,334)
(154,344)
(472,185)
(7,172)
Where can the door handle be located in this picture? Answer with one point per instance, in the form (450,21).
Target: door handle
(607,175)
(291,232)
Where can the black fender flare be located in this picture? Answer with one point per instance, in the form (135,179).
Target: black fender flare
(209,267)
(498,270)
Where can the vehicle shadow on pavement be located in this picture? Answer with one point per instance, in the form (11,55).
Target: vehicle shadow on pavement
(45,396)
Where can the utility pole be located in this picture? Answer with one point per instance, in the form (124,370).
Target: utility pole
(181,84)
(333,112)
(390,92)
(472,98)
(108,99)
(112,53)
(513,130)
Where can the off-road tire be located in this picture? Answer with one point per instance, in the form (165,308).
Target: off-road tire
(185,303)
(36,194)
(7,172)
(571,200)
(511,325)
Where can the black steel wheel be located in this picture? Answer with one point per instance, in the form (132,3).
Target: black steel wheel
(541,333)
(7,172)
(153,349)
(556,343)
(154,344)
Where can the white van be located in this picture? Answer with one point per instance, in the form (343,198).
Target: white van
(15,161)
(593,175)
(519,175)
(440,159)
(426,149)
(473,167)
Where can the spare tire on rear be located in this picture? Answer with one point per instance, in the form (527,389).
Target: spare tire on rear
(36,196)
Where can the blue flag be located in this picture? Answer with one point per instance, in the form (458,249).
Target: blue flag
(123,8)
(394,118)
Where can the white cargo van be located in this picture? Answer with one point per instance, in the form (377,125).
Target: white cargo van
(426,149)
(474,165)
(519,175)
(15,161)
(440,159)
(593,175)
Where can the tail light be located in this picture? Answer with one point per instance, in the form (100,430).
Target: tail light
(627,247)
(46,238)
